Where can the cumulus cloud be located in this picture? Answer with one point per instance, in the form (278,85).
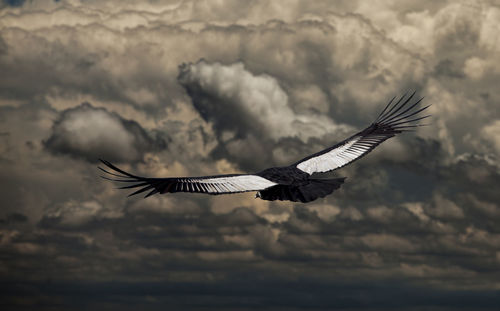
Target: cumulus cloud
(93,133)
(236,100)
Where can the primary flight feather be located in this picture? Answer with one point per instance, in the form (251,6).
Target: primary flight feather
(292,182)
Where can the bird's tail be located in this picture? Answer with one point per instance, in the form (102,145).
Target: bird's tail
(316,188)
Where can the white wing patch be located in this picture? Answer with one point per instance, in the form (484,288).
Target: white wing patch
(238,183)
(394,119)
(342,155)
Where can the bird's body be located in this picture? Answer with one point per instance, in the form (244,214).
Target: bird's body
(294,182)
(285,175)
(296,185)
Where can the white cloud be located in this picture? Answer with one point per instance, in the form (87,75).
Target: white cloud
(258,97)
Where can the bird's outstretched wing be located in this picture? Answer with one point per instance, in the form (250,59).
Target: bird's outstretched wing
(395,118)
(220,184)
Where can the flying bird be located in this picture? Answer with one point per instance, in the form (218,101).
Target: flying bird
(293,182)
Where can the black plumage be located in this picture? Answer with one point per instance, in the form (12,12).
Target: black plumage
(307,191)
(294,182)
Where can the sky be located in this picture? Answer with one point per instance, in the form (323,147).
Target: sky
(192,88)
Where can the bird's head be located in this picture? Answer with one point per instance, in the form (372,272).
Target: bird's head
(257,195)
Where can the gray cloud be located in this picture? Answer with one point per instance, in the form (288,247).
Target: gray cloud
(244,102)
(94,133)
(75,214)
(415,226)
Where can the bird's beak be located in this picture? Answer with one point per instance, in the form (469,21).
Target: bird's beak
(257,195)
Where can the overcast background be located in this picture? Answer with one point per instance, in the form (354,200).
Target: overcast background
(175,88)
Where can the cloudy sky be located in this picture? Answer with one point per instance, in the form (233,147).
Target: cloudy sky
(180,88)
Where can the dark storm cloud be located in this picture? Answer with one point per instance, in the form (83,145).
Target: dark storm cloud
(93,133)
(3,46)
(250,294)
(414,226)
(14,3)
(14,218)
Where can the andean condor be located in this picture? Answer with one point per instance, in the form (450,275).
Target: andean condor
(292,182)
